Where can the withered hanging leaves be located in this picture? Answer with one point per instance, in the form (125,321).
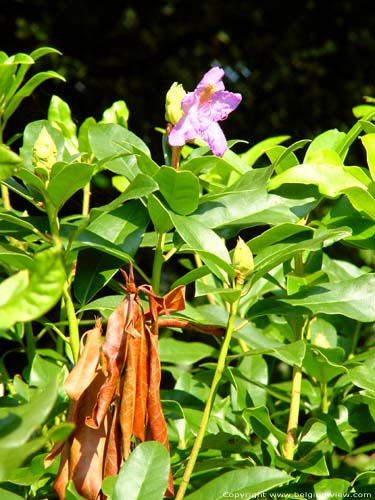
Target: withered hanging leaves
(115,391)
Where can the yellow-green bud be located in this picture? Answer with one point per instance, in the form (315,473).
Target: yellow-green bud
(44,151)
(173,110)
(243,261)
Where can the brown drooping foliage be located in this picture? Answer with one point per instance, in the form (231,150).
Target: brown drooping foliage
(115,390)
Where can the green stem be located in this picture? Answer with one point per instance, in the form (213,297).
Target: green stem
(5,197)
(86,200)
(72,322)
(220,367)
(295,398)
(355,340)
(158,263)
(291,435)
(324,397)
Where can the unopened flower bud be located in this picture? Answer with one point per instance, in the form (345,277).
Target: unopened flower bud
(173,110)
(243,261)
(44,152)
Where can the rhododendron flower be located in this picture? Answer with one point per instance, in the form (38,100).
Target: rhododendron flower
(203,108)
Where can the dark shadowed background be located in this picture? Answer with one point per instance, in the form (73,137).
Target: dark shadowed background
(300,67)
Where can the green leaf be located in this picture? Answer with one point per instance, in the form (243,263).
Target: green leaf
(179,188)
(186,353)
(28,295)
(23,421)
(27,90)
(251,482)
(124,227)
(325,172)
(15,258)
(255,152)
(313,463)
(368,141)
(362,200)
(331,488)
(9,495)
(272,255)
(67,179)
(9,162)
(142,185)
(120,150)
(205,242)
(247,203)
(60,115)
(261,422)
(330,140)
(144,475)
(42,51)
(362,375)
(324,364)
(351,298)
(159,215)
(105,305)
(283,158)
(117,113)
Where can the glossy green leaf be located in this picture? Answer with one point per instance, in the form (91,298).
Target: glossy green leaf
(15,258)
(291,354)
(247,203)
(120,150)
(251,482)
(117,113)
(177,351)
(272,255)
(179,188)
(22,421)
(28,89)
(200,238)
(262,424)
(67,179)
(326,142)
(9,162)
(9,495)
(368,141)
(256,151)
(43,51)
(142,185)
(325,172)
(331,488)
(353,298)
(28,295)
(60,115)
(362,200)
(313,463)
(71,492)
(324,363)
(124,227)
(159,215)
(277,234)
(362,375)
(281,158)
(144,474)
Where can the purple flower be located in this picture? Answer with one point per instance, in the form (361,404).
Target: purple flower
(203,108)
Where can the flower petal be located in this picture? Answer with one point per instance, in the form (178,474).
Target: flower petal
(212,77)
(184,131)
(223,103)
(215,138)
